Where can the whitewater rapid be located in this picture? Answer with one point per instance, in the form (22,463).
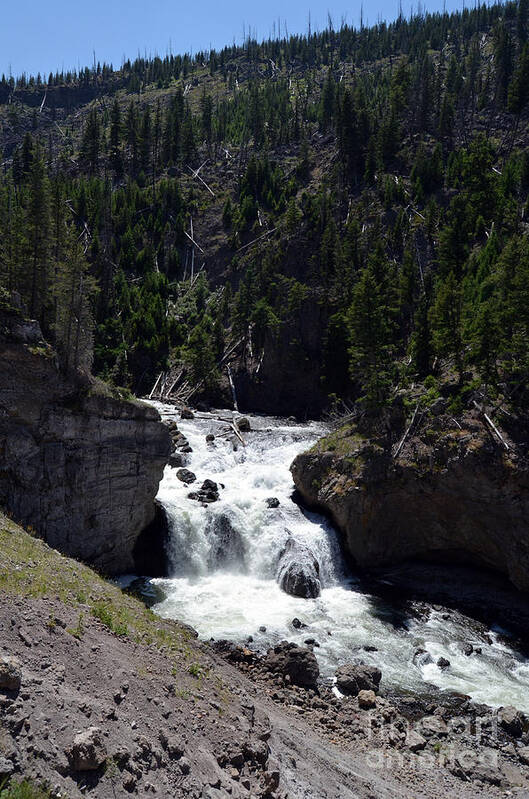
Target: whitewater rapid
(224,557)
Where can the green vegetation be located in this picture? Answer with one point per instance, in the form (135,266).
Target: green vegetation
(29,568)
(23,790)
(105,614)
(383,174)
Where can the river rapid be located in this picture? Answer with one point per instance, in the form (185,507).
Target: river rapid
(224,559)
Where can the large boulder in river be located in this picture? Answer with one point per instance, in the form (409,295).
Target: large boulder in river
(227,545)
(352,678)
(208,493)
(298,571)
(186,476)
(177,460)
(272,502)
(296,662)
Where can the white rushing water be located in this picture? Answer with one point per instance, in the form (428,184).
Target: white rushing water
(224,560)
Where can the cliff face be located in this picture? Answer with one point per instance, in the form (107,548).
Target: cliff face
(80,467)
(453,494)
(286,380)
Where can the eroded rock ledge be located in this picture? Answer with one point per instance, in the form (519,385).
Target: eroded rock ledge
(454,493)
(77,464)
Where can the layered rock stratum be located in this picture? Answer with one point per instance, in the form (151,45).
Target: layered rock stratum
(80,466)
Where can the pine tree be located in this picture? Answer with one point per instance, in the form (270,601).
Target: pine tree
(206,114)
(116,155)
(91,144)
(522,21)
(38,240)
(133,146)
(74,291)
(200,356)
(445,319)
(485,335)
(146,141)
(421,341)
(503,59)
(370,341)
(518,94)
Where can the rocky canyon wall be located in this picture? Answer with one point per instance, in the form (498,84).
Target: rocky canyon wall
(79,465)
(453,494)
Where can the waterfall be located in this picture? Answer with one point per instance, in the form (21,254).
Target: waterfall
(228,558)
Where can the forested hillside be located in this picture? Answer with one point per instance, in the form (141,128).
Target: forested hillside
(336,215)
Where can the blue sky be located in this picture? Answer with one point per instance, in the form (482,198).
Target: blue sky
(53,34)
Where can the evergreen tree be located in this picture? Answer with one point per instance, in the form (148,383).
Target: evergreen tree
(370,343)
(445,318)
(91,144)
(116,155)
(74,290)
(38,284)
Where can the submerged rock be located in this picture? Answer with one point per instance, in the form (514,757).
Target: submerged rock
(297,624)
(272,502)
(209,492)
(298,571)
(187,413)
(244,424)
(227,544)
(422,657)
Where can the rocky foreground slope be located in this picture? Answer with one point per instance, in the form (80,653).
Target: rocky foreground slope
(100,698)
(80,466)
(454,492)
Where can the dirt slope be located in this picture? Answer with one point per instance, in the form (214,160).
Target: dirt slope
(104,699)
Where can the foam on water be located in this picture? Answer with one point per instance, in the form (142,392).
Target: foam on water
(226,587)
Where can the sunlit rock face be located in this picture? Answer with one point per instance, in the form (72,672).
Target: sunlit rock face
(80,467)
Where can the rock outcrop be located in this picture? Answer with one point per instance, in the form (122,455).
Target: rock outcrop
(454,494)
(78,465)
(351,678)
(297,663)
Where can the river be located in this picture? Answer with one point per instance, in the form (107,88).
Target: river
(224,557)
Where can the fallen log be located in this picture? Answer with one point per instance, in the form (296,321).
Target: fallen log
(406,434)
(488,421)
(155,385)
